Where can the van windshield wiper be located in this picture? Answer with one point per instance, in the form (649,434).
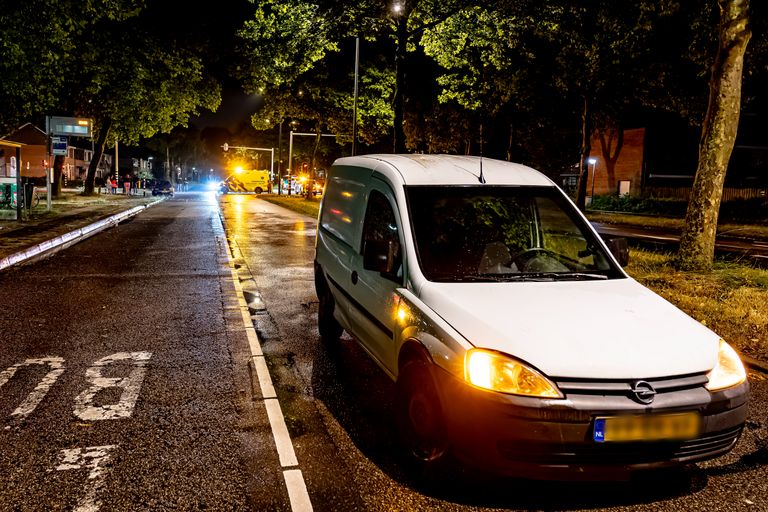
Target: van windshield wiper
(526,276)
(562,276)
(522,276)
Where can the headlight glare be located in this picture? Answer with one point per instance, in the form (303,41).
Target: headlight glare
(729,370)
(498,372)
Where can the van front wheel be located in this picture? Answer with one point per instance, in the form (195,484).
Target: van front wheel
(419,414)
(259,190)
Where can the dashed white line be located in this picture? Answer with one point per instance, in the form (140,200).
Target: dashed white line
(262,373)
(280,432)
(294,480)
(297,491)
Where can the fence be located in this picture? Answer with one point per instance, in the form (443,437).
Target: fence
(683,193)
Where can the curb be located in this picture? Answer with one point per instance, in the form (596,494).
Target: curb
(49,247)
(755,364)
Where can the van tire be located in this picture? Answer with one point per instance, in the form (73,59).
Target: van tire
(419,415)
(259,190)
(329,328)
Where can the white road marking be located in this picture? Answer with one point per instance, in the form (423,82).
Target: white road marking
(93,458)
(265,381)
(280,433)
(253,341)
(131,387)
(36,396)
(294,480)
(297,491)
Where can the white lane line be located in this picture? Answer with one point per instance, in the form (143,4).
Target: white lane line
(253,341)
(265,381)
(294,480)
(280,432)
(297,491)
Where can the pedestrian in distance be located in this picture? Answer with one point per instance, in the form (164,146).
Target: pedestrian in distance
(127,185)
(113,182)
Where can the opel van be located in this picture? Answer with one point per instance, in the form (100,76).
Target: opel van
(516,341)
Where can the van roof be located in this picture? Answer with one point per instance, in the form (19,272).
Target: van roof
(447,170)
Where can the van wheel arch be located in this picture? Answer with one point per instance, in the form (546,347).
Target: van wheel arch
(418,407)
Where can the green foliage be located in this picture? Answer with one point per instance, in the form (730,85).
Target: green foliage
(283,40)
(292,61)
(656,206)
(39,48)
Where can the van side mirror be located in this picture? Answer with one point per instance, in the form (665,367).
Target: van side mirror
(380,256)
(620,249)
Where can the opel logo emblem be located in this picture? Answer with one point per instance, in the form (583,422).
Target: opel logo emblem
(644,392)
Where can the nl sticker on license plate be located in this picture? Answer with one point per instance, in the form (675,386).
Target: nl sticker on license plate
(647,427)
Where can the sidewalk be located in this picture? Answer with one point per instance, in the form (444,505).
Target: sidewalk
(72,218)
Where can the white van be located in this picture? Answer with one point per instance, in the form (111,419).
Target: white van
(516,340)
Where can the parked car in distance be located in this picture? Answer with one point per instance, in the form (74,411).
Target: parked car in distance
(162,188)
(517,342)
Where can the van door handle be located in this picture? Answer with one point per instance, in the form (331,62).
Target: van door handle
(354,277)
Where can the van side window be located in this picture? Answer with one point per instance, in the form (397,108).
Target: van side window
(380,224)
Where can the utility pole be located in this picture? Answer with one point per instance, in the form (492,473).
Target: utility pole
(354,103)
(280,158)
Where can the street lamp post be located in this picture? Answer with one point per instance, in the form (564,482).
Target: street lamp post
(354,103)
(593,163)
(280,158)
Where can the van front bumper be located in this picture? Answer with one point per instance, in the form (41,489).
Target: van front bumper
(543,438)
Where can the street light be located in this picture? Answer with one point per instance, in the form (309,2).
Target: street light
(592,162)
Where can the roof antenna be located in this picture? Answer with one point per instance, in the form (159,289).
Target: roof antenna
(481,177)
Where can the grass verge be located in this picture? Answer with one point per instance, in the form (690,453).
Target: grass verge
(732,300)
(298,204)
(752,231)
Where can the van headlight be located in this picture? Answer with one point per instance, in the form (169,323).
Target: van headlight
(729,370)
(498,372)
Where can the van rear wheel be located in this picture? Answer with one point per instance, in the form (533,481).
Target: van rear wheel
(329,327)
(259,190)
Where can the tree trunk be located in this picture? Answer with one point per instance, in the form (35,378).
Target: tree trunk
(58,171)
(399,102)
(98,152)
(718,134)
(586,142)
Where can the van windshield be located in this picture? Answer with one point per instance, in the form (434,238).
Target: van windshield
(483,233)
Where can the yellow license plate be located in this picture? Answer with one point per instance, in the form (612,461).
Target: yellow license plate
(647,427)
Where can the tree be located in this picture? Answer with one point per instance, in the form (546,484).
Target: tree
(135,84)
(39,45)
(697,244)
(303,83)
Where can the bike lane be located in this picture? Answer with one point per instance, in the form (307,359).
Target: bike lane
(124,381)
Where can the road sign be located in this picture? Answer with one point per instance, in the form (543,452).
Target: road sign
(59,145)
(79,126)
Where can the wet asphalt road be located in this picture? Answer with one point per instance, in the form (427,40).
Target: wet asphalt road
(150,306)
(340,408)
(176,427)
